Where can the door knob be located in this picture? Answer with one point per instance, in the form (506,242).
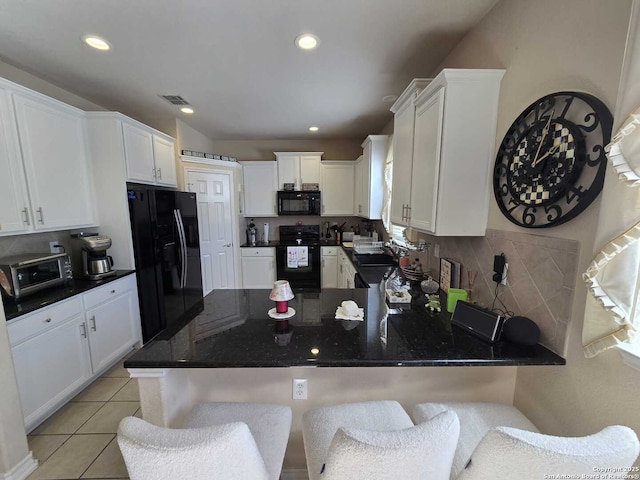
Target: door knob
(227,245)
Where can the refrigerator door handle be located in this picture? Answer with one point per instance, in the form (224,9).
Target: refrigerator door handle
(183,247)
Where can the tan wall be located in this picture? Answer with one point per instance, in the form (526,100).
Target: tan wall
(327,386)
(548,46)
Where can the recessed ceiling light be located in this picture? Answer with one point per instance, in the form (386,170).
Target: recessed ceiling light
(96,42)
(313,129)
(307,41)
(186,110)
(389,98)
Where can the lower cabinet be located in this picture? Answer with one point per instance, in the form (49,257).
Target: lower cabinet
(330,267)
(346,271)
(59,349)
(113,319)
(258,267)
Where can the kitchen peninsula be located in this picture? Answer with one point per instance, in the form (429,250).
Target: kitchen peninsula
(192,364)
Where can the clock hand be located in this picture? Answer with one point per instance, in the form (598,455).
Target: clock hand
(545,132)
(551,151)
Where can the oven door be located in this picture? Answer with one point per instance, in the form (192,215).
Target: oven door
(300,265)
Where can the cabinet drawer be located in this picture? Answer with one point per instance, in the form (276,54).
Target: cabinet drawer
(329,251)
(29,325)
(257,252)
(108,291)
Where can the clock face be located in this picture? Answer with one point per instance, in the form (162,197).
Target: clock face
(551,163)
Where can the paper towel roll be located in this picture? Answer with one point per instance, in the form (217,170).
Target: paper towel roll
(265,232)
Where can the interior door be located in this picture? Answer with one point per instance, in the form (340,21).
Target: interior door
(213,190)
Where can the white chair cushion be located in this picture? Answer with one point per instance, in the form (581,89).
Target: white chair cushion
(269,424)
(476,419)
(320,425)
(509,453)
(417,453)
(154,453)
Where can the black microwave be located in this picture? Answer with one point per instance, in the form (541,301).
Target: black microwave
(291,202)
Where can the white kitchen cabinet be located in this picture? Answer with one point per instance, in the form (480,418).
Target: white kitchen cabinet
(298,168)
(330,267)
(57,350)
(403,131)
(452,154)
(114,140)
(113,320)
(260,187)
(369,185)
(14,207)
(52,150)
(258,267)
(149,155)
(346,271)
(337,180)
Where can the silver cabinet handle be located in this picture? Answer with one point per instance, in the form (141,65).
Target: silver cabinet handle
(83,333)
(408,212)
(47,320)
(153,170)
(403,207)
(160,173)
(25,212)
(41,215)
(93,323)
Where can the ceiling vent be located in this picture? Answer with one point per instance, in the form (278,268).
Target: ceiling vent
(175,99)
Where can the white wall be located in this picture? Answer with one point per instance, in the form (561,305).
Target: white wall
(548,46)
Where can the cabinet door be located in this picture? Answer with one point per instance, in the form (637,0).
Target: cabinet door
(310,170)
(112,329)
(258,272)
(288,171)
(426,162)
(50,367)
(52,138)
(138,154)
(358,187)
(165,161)
(329,271)
(338,189)
(14,207)
(260,185)
(403,125)
(365,183)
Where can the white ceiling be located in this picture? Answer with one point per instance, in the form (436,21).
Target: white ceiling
(235,60)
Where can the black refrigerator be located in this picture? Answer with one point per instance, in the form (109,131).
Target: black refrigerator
(164,225)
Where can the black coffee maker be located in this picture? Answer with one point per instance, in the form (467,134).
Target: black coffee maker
(96,263)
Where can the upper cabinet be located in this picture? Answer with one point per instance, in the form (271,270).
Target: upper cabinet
(47,185)
(149,155)
(260,186)
(298,168)
(369,182)
(337,180)
(443,152)
(123,150)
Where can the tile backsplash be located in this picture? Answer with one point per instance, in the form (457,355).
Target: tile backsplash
(540,279)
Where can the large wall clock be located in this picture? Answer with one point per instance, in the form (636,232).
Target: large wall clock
(551,163)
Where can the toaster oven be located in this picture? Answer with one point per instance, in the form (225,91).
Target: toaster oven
(26,274)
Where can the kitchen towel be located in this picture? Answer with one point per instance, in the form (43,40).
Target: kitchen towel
(297,257)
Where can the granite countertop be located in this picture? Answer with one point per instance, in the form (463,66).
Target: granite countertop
(234,330)
(48,297)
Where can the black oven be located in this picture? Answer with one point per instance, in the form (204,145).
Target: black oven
(298,203)
(298,256)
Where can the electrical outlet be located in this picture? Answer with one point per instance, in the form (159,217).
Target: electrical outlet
(503,281)
(299,388)
(53,248)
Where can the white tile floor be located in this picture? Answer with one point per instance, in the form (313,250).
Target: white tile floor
(79,441)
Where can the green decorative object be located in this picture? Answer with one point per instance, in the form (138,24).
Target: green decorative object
(453,296)
(434,303)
